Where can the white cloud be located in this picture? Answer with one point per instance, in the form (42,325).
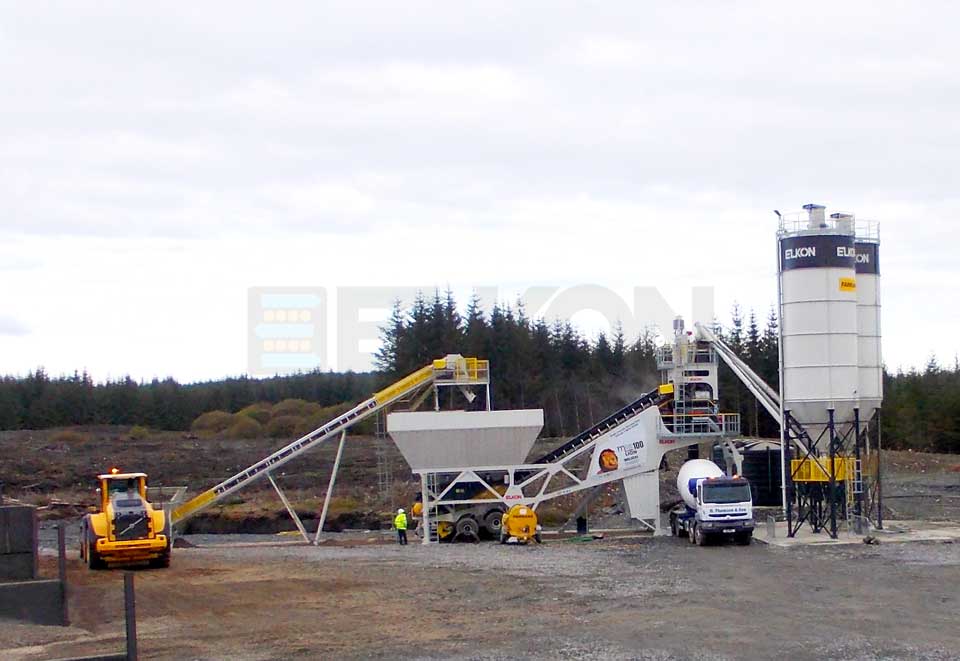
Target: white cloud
(178,158)
(10,326)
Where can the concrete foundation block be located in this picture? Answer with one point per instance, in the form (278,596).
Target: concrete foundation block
(18,567)
(18,529)
(40,602)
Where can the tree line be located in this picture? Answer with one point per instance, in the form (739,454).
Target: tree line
(38,401)
(576,382)
(534,364)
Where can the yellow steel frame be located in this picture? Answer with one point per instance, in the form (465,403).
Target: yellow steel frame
(819,469)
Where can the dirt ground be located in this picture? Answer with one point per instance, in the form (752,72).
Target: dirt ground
(620,598)
(624,597)
(38,467)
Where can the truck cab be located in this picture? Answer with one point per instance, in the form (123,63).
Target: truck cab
(724,509)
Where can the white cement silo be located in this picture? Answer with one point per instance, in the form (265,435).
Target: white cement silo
(819,322)
(869,354)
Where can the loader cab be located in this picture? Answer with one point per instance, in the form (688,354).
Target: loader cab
(122,487)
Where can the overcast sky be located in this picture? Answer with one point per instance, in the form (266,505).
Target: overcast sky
(158,162)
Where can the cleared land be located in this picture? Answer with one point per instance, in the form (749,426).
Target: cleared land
(643,597)
(362,597)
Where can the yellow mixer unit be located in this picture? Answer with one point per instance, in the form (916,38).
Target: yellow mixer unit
(519,525)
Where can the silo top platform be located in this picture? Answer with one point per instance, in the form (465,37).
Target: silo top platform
(431,440)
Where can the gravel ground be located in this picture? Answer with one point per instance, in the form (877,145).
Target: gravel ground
(620,598)
(249,597)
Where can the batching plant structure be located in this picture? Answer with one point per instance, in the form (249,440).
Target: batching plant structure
(831,372)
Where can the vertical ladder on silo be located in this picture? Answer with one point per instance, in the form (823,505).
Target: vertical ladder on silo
(855,483)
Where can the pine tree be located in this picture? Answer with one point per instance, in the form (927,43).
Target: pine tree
(619,351)
(735,338)
(752,345)
(475,336)
(387,358)
(603,357)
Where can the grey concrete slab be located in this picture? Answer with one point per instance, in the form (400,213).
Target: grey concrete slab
(18,529)
(18,567)
(894,531)
(40,602)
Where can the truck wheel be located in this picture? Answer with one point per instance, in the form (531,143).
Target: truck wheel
(699,536)
(744,538)
(537,538)
(467,527)
(493,521)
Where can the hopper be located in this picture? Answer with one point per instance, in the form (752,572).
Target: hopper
(432,440)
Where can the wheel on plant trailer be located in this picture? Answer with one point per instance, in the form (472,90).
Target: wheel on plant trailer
(467,527)
(493,522)
(700,537)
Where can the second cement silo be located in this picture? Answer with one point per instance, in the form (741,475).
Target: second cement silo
(869,354)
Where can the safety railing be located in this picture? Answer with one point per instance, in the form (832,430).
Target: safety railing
(702,424)
(868,230)
(799,223)
(665,359)
(464,370)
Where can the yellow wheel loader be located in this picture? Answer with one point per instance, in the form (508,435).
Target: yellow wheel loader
(126,529)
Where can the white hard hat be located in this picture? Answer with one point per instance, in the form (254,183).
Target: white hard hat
(400,511)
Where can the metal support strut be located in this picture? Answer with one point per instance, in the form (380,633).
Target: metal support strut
(833,473)
(290,510)
(333,480)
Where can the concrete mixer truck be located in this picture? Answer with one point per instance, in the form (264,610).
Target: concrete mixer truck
(714,506)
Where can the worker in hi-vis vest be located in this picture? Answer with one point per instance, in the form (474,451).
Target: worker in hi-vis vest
(400,523)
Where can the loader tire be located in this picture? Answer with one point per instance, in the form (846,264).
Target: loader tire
(94,561)
(163,561)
